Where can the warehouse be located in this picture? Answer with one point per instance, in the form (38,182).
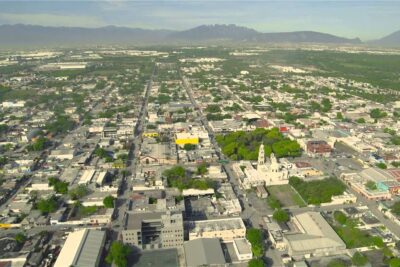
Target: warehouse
(82,248)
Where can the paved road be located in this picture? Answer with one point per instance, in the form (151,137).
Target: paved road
(123,198)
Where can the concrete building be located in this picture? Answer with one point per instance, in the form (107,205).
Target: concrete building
(153,230)
(225,229)
(314,237)
(204,252)
(82,248)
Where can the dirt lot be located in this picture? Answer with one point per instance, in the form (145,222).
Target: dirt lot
(286,195)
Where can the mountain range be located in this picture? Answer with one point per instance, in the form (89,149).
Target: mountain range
(32,35)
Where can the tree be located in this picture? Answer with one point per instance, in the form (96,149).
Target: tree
(371,185)
(59,186)
(20,238)
(280,216)
(360,120)
(108,202)
(118,254)
(381,165)
(395,209)
(39,144)
(376,113)
(255,237)
(202,169)
(256,263)
(189,147)
(339,116)
(359,259)
(47,205)
(273,203)
(395,262)
(79,192)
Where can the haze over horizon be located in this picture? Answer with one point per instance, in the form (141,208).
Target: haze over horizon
(364,19)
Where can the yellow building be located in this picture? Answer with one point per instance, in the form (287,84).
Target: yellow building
(150,134)
(186,138)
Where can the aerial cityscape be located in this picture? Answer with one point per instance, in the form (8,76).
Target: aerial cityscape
(211,145)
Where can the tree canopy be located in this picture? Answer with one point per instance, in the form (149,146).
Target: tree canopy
(280,216)
(255,237)
(59,186)
(47,205)
(118,254)
(108,202)
(242,145)
(179,178)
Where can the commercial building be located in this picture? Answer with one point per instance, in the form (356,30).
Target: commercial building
(204,252)
(182,139)
(153,230)
(82,248)
(225,229)
(314,237)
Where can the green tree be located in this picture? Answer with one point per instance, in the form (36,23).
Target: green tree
(202,169)
(256,263)
(381,165)
(59,186)
(395,209)
(339,116)
(47,205)
(273,203)
(79,192)
(255,237)
(395,262)
(20,238)
(118,254)
(360,120)
(189,147)
(108,202)
(280,216)
(39,144)
(371,185)
(376,113)
(359,259)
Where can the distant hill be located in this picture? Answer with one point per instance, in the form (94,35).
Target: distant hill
(53,36)
(30,35)
(392,39)
(243,34)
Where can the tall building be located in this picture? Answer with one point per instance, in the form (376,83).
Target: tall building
(153,230)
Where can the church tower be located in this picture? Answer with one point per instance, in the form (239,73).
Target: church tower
(261,156)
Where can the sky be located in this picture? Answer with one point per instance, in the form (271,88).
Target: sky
(364,19)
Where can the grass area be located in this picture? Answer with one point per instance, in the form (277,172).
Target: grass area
(286,195)
(317,191)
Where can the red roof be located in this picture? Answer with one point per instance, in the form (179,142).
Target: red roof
(283,129)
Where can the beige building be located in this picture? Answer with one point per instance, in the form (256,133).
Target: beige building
(225,229)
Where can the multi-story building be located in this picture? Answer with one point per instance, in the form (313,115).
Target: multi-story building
(153,230)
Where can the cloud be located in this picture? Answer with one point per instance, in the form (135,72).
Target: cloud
(45,19)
